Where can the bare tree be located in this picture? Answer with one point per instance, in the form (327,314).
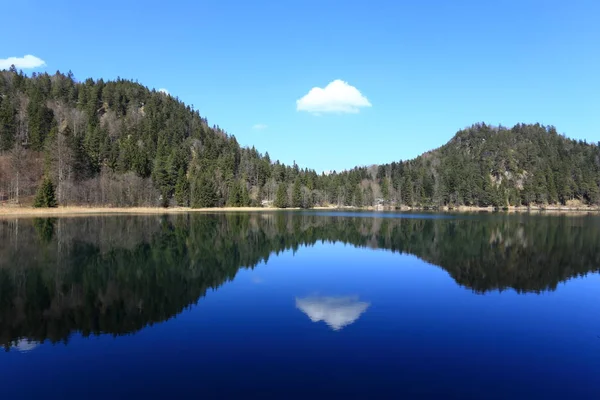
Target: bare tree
(17,163)
(61,155)
(78,121)
(271,187)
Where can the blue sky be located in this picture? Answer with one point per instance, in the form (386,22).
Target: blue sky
(415,71)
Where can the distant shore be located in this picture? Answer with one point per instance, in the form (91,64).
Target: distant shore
(540,209)
(81,210)
(15,211)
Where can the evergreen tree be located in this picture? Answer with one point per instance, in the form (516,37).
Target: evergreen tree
(358,197)
(82,165)
(41,120)
(297,195)
(203,192)
(485,195)
(281,198)
(245,196)
(45,196)
(235,194)
(7,124)
(528,193)
(385,189)
(182,189)
(407,192)
(551,187)
(161,178)
(349,198)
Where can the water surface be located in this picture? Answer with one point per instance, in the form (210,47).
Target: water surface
(301,305)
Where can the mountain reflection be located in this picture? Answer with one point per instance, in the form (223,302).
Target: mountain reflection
(118,274)
(336,312)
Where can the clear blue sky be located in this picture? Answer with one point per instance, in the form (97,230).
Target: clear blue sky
(427,68)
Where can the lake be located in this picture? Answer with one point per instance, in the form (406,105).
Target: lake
(301,305)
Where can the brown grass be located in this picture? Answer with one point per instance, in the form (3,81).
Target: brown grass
(75,210)
(25,211)
(15,211)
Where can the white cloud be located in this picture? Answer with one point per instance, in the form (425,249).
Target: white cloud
(165,91)
(337,97)
(259,127)
(336,312)
(25,62)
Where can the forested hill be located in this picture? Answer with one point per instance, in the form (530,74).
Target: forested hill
(485,165)
(118,143)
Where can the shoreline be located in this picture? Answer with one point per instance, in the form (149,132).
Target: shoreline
(536,209)
(81,210)
(15,211)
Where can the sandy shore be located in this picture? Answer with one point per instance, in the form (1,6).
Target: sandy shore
(75,210)
(78,210)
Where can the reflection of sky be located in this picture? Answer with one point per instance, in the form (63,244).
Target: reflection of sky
(337,312)
(420,324)
(24,345)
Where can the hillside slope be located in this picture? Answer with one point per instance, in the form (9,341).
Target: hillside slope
(484,165)
(118,143)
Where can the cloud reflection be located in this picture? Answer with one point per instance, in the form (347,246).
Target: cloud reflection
(336,312)
(24,345)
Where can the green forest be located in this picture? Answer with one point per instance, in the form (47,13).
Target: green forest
(118,143)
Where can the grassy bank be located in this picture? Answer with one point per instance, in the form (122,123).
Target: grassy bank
(79,210)
(14,211)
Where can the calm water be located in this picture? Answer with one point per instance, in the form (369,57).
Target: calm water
(301,305)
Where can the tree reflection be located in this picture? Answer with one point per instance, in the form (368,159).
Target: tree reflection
(118,274)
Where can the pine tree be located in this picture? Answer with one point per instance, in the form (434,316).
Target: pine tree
(41,120)
(45,196)
(297,194)
(245,196)
(407,192)
(281,200)
(7,124)
(540,187)
(349,198)
(358,197)
(182,189)
(487,189)
(528,193)
(204,193)
(594,192)
(235,195)
(161,176)
(385,189)
(552,191)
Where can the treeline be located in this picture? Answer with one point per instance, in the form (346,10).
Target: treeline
(496,166)
(118,143)
(118,274)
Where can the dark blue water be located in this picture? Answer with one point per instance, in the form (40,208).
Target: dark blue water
(301,305)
